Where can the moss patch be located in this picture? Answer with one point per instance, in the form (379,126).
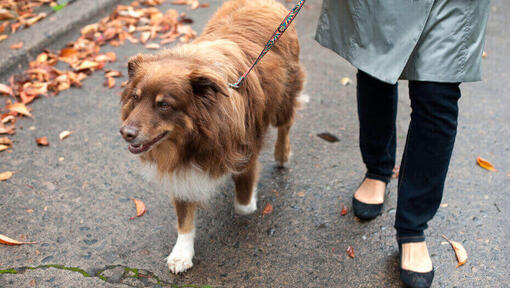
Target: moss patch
(8,271)
(74,269)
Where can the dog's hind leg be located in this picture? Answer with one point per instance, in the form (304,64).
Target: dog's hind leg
(182,254)
(246,189)
(282,151)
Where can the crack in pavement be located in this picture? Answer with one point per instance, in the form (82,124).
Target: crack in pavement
(114,274)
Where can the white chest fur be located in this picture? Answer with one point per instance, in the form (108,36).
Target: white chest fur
(192,184)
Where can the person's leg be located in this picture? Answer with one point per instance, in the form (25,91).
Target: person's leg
(424,165)
(377,112)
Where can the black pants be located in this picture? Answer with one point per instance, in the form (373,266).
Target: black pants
(428,147)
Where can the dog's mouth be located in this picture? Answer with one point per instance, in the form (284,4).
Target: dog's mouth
(144,147)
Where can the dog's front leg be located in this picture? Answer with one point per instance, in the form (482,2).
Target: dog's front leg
(182,254)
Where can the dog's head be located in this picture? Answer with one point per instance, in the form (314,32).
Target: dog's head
(165,98)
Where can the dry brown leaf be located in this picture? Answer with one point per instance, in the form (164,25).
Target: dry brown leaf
(112,73)
(64,134)
(485,164)
(4,89)
(43,141)
(328,137)
(460,251)
(350,252)
(8,241)
(109,82)
(153,46)
(87,64)
(145,36)
(484,54)
(18,45)
(3,147)
(344,210)
(6,175)
(9,129)
(396,172)
(5,141)
(3,37)
(301,194)
(20,108)
(5,14)
(268,209)
(345,81)
(140,208)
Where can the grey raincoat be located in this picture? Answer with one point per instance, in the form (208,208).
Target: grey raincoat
(425,40)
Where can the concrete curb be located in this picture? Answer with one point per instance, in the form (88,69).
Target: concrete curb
(43,33)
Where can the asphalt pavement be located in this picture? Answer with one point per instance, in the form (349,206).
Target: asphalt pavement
(73,197)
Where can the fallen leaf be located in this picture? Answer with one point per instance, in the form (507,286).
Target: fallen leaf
(485,164)
(5,141)
(112,73)
(140,208)
(43,141)
(344,210)
(18,45)
(153,46)
(328,137)
(64,134)
(268,209)
(3,37)
(87,64)
(109,82)
(345,81)
(443,205)
(9,129)
(396,171)
(460,251)
(20,108)
(8,241)
(350,252)
(301,194)
(484,54)
(3,147)
(6,175)
(5,14)
(4,89)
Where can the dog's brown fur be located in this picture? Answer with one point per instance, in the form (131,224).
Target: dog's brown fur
(209,125)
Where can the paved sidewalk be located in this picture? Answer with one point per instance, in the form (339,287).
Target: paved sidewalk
(81,204)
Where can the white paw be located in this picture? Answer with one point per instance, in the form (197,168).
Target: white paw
(247,209)
(179,263)
(181,258)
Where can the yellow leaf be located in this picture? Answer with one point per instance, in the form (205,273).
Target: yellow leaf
(268,209)
(4,89)
(485,164)
(8,241)
(64,134)
(140,208)
(6,175)
(3,147)
(460,251)
(345,81)
(19,108)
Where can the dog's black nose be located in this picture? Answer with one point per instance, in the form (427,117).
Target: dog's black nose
(129,133)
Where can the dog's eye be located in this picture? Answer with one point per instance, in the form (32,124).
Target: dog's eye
(162,105)
(135,96)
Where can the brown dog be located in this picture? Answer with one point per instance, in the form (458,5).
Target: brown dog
(193,130)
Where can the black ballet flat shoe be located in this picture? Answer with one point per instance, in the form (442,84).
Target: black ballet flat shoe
(366,211)
(413,279)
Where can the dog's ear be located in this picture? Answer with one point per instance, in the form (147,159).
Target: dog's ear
(133,64)
(205,82)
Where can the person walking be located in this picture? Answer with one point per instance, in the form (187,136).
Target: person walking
(436,45)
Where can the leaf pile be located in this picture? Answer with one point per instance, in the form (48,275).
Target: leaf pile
(134,23)
(15,14)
